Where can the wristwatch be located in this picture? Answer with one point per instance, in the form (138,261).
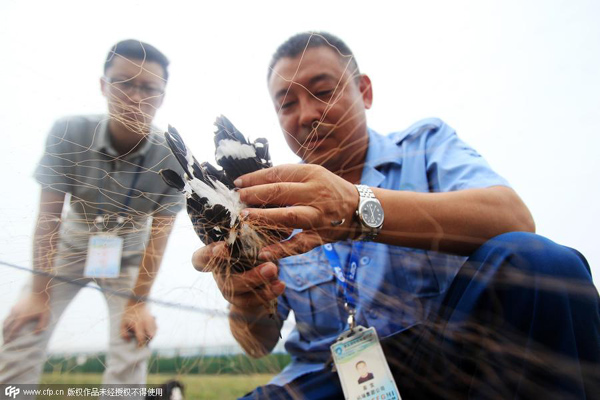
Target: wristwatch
(369,213)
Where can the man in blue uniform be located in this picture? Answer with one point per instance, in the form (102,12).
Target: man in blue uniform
(442,253)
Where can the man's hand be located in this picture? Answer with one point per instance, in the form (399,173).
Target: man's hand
(32,307)
(138,323)
(250,293)
(247,290)
(313,199)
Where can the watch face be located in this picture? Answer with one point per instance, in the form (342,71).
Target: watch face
(372,214)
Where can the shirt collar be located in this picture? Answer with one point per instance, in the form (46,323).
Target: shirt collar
(382,150)
(102,142)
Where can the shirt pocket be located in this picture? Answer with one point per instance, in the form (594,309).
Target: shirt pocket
(312,293)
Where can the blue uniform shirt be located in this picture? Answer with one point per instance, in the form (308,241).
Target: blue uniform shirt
(396,287)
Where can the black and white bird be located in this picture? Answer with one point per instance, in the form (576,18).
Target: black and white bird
(212,203)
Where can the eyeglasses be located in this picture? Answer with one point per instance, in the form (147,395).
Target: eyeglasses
(128,87)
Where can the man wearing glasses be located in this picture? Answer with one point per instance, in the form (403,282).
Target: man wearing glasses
(115,229)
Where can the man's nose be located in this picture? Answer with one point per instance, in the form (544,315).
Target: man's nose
(136,94)
(310,112)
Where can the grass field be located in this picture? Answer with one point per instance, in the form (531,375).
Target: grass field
(204,387)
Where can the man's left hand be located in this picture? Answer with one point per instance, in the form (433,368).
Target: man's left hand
(138,323)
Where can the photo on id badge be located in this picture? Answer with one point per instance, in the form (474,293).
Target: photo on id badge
(363,370)
(363,373)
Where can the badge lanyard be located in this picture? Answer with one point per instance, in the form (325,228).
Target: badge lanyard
(136,177)
(104,253)
(358,346)
(346,277)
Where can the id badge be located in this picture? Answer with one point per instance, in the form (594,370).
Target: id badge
(104,256)
(362,367)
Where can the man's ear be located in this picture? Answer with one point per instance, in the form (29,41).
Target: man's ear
(366,90)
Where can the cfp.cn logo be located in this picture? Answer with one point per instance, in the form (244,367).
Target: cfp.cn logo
(12,392)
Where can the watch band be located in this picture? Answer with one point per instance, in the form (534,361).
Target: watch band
(366,194)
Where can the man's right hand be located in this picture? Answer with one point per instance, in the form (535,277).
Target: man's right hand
(32,307)
(247,290)
(251,294)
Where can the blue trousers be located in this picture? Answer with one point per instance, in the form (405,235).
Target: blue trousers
(521,320)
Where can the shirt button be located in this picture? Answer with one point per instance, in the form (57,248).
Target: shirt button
(364,260)
(299,280)
(328,246)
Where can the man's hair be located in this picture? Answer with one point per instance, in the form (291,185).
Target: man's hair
(136,50)
(360,362)
(300,42)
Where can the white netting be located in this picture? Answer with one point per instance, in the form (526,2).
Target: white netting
(528,93)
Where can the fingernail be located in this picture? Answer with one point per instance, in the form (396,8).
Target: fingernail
(278,287)
(238,182)
(269,271)
(265,255)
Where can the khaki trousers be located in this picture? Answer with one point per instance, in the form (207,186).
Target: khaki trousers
(22,360)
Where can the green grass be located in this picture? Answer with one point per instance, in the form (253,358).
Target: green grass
(201,387)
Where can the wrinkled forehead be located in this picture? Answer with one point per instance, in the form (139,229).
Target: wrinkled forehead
(322,61)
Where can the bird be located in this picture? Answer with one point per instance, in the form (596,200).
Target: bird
(213,203)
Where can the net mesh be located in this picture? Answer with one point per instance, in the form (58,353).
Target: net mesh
(89,190)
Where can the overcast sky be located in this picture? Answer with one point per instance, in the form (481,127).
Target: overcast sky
(519,81)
